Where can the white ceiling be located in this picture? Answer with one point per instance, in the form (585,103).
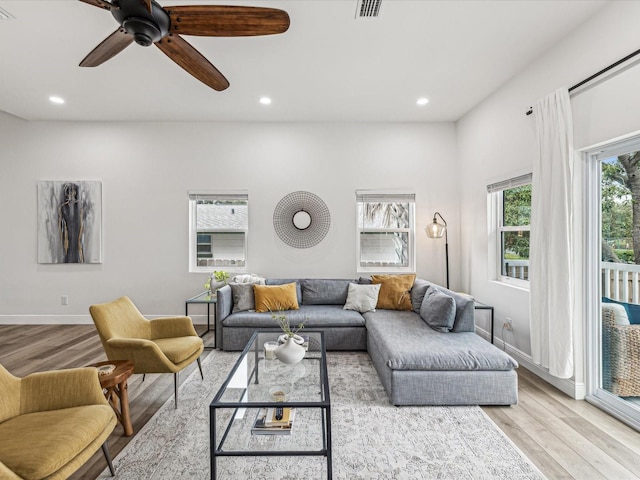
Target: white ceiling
(328,66)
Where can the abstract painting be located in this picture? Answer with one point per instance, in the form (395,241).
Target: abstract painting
(70,222)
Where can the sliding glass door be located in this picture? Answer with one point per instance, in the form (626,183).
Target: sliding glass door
(613,286)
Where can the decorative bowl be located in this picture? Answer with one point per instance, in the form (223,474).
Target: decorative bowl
(106,369)
(279,393)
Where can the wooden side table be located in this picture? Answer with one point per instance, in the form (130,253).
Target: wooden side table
(115,389)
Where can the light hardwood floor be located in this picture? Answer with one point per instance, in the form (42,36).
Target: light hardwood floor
(563,437)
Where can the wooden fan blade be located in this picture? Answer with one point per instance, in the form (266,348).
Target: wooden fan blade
(100,4)
(110,47)
(147,3)
(227,21)
(181,52)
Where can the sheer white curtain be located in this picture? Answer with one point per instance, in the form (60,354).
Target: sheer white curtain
(551,278)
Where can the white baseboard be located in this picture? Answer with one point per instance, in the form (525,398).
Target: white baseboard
(71,319)
(565,385)
(45,320)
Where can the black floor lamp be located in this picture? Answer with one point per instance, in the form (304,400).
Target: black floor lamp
(437,230)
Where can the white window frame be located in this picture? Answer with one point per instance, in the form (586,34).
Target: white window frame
(193,234)
(497,228)
(387,196)
(592,274)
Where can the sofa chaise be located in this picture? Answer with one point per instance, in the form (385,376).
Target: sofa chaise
(417,364)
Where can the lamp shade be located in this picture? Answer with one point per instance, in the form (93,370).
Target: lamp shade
(435,230)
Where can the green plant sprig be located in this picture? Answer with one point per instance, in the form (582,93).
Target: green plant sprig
(220,275)
(284,325)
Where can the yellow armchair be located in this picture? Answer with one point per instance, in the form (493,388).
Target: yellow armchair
(51,423)
(160,345)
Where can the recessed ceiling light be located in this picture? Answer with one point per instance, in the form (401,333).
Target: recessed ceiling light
(265,101)
(422,101)
(58,100)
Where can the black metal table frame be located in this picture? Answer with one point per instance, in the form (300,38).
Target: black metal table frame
(214,300)
(484,306)
(324,405)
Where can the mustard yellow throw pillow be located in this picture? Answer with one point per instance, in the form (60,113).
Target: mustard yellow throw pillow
(271,298)
(395,291)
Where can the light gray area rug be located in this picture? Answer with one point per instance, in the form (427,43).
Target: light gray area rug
(372,439)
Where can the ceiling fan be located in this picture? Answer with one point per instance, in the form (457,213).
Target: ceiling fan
(146,23)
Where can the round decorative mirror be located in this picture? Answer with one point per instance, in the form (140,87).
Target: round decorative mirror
(301,219)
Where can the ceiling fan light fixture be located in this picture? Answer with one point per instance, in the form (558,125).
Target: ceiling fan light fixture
(146,27)
(144,32)
(147,23)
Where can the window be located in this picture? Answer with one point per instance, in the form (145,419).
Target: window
(611,274)
(218,226)
(385,231)
(510,204)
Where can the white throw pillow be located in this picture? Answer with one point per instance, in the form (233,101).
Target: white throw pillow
(249,278)
(362,298)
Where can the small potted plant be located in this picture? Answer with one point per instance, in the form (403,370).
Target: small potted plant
(287,331)
(290,349)
(217,280)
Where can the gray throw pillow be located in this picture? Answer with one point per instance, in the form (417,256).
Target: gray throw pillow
(243,298)
(324,292)
(418,292)
(362,298)
(438,310)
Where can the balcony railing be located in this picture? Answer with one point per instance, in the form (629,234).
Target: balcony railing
(621,281)
(516,269)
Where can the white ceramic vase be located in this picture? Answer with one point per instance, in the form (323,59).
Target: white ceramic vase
(215,286)
(290,352)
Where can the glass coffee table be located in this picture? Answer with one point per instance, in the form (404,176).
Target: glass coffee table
(248,393)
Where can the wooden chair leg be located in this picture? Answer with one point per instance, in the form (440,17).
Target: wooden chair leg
(175,387)
(107,456)
(200,367)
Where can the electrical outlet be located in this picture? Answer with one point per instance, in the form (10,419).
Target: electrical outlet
(508,325)
(64,300)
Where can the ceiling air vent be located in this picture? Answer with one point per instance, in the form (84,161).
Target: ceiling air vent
(4,15)
(368,8)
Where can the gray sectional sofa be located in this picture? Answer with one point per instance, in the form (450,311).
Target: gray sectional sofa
(416,364)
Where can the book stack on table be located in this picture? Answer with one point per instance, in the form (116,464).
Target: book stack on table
(270,422)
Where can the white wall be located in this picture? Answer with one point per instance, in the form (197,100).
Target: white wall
(146,170)
(496,141)
(609,109)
